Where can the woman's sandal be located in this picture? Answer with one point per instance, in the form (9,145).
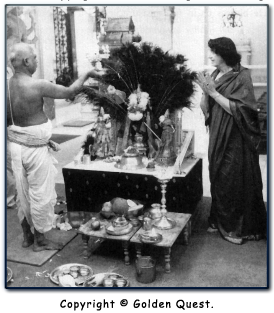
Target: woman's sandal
(231,237)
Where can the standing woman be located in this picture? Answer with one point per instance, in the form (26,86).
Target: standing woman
(230,110)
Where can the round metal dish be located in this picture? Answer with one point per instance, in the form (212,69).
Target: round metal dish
(91,282)
(129,164)
(63,269)
(150,239)
(9,274)
(130,160)
(117,231)
(164,223)
(120,222)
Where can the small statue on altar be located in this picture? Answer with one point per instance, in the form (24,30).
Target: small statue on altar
(103,145)
(166,154)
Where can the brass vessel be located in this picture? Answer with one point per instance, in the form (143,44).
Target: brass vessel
(130,160)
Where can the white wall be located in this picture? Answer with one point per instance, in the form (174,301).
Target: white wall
(45,43)
(152,23)
(189,30)
(85,38)
(254,19)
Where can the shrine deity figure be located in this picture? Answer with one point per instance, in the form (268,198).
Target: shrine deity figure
(166,153)
(103,145)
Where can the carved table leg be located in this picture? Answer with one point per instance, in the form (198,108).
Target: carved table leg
(186,233)
(138,248)
(125,246)
(85,240)
(167,260)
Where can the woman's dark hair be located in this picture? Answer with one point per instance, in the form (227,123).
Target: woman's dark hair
(225,48)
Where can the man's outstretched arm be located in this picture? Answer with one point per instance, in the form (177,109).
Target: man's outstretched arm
(60,92)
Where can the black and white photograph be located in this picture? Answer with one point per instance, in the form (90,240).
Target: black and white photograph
(136,147)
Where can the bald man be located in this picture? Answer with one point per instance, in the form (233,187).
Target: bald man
(29,135)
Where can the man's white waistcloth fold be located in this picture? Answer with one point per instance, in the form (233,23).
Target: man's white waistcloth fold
(31,136)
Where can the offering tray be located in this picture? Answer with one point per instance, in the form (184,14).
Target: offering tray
(111,159)
(119,231)
(81,273)
(150,237)
(128,166)
(131,160)
(101,280)
(9,274)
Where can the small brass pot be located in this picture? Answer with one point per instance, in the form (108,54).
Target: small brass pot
(131,160)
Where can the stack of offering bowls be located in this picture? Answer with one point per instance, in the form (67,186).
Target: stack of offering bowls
(130,160)
(114,281)
(107,280)
(119,226)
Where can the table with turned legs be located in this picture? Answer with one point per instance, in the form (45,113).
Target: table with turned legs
(182,226)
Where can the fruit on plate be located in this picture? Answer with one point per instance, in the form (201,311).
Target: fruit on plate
(95,225)
(67,281)
(97,279)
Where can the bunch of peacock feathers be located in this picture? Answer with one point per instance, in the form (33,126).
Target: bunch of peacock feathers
(141,83)
(146,67)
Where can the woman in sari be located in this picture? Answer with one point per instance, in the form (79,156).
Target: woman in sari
(230,110)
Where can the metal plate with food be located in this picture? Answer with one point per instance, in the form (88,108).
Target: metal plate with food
(119,231)
(112,159)
(79,272)
(107,280)
(9,274)
(130,160)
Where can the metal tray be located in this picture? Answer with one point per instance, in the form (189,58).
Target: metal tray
(149,239)
(60,271)
(88,283)
(9,274)
(128,167)
(116,232)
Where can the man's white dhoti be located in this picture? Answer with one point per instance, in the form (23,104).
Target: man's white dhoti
(11,188)
(34,173)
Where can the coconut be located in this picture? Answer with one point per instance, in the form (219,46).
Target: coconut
(119,206)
